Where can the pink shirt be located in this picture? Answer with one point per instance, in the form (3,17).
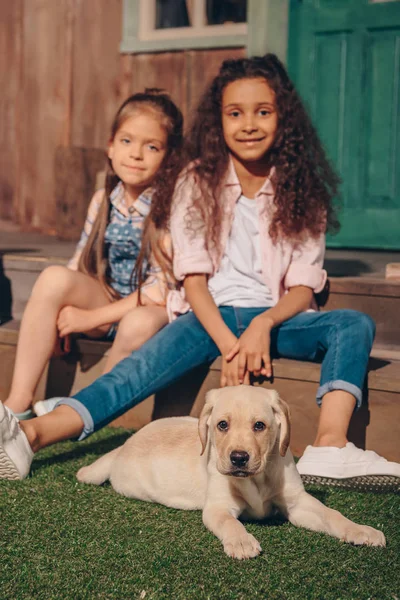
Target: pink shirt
(285,263)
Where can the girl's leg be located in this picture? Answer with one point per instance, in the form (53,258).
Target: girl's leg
(61,424)
(337,408)
(342,340)
(56,287)
(134,329)
(175,350)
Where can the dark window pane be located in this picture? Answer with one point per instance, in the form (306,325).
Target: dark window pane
(171,13)
(226,11)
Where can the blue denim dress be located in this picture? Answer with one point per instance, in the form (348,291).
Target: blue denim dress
(123,240)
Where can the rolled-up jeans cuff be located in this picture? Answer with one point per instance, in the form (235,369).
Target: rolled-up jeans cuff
(88,425)
(338,384)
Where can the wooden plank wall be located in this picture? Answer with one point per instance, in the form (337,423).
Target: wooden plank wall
(10,67)
(44,108)
(62,79)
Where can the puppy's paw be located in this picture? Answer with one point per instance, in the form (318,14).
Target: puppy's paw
(87,475)
(363,535)
(242,546)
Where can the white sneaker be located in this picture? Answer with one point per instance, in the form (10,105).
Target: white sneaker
(44,406)
(15,452)
(348,467)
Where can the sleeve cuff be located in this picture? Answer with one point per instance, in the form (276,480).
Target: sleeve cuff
(192,265)
(311,276)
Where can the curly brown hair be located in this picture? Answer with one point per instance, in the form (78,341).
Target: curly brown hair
(305,182)
(94,259)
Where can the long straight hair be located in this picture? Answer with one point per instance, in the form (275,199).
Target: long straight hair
(94,259)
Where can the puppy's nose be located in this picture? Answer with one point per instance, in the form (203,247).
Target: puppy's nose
(239,458)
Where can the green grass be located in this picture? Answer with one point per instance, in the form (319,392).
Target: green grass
(64,540)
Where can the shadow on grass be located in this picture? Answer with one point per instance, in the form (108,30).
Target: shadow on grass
(277,519)
(96,447)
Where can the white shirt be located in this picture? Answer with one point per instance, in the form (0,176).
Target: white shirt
(239,280)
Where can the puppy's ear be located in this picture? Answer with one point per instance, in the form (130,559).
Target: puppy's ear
(204,419)
(282,416)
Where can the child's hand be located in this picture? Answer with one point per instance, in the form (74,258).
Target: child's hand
(230,372)
(252,350)
(62,346)
(74,320)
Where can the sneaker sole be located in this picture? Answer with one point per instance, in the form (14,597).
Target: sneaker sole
(7,468)
(364,483)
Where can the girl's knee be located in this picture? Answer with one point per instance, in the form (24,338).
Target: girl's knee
(357,323)
(136,327)
(54,280)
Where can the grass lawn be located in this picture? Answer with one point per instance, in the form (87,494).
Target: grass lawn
(65,540)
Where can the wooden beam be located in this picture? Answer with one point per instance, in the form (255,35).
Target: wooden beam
(268,23)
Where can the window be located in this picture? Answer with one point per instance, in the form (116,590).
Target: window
(164,25)
(195,13)
(154,25)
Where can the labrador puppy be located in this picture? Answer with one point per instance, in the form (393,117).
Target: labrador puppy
(232,462)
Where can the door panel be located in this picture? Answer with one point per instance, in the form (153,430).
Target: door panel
(344,56)
(382,111)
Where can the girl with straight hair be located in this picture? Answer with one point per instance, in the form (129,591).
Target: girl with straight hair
(110,289)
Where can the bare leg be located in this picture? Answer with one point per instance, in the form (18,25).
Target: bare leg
(61,424)
(55,288)
(336,411)
(134,329)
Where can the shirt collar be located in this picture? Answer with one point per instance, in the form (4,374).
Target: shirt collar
(141,204)
(232,179)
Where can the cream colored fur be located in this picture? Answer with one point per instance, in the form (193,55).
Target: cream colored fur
(187,463)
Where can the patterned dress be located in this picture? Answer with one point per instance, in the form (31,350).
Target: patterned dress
(123,238)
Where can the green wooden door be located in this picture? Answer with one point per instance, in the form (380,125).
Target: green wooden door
(344,56)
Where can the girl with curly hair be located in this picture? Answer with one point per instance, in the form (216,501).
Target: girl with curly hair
(248,225)
(100,292)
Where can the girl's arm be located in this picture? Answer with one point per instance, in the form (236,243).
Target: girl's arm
(205,309)
(297,300)
(154,292)
(78,320)
(92,213)
(157,285)
(192,264)
(304,276)
(253,347)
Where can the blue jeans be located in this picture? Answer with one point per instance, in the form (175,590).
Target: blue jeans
(340,339)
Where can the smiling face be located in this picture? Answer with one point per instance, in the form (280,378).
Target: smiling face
(138,149)
(249,119)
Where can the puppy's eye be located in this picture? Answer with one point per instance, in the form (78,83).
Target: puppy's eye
(223,426)
(259,426)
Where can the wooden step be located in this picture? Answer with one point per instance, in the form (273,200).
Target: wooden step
(376,426)
(19,275)
(377,297)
